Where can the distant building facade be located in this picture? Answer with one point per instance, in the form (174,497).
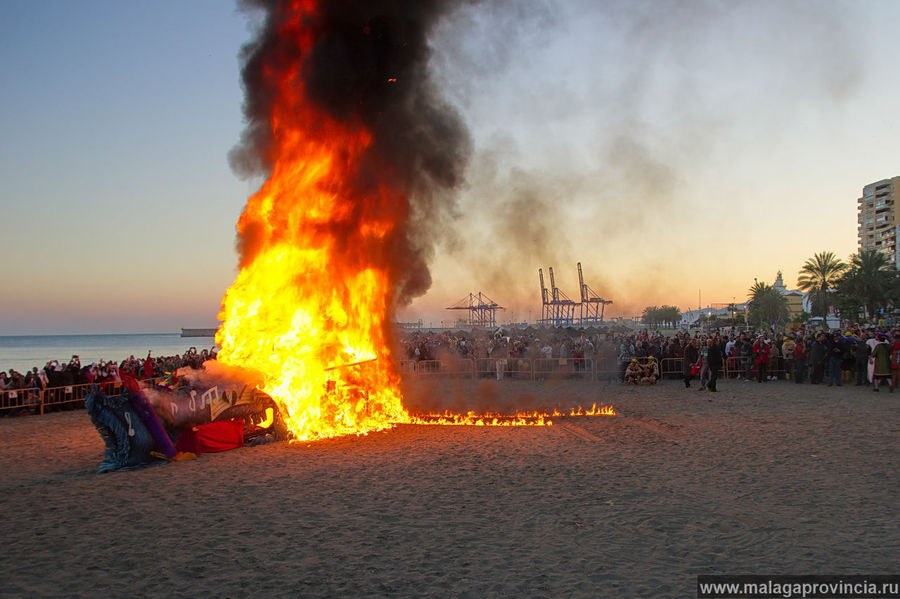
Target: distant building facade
(878,221)
(795,298)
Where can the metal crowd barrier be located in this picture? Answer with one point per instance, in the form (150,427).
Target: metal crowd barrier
(461,367)
(519,368)
(529,368)
(744,366)
(38,401)
(607,368)
(671,366)
(563,368)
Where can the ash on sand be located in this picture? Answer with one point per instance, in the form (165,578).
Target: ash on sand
(775,478)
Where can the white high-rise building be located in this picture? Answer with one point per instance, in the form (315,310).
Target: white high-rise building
(878,219)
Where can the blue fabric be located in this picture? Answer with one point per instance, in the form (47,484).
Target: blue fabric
(128,443)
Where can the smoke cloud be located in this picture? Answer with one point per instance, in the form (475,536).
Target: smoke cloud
(367,64)
(608,133)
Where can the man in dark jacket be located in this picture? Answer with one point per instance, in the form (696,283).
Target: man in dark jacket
(817,357)
(836,350)
(715,360)
(862,360)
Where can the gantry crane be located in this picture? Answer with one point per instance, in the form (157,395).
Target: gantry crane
(482,309)
(592,305)
(557,309)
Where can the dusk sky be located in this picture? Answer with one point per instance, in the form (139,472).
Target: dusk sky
(669,147)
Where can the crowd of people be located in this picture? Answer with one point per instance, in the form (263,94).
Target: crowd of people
(22,392)
(861,354)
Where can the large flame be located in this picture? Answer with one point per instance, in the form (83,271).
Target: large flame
(309,309)
(308,313)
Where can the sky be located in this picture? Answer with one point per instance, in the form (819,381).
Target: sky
(675,149)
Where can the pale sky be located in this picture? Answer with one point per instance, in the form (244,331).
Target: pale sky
(670,147)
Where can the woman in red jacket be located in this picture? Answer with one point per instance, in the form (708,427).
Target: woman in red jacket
(761,358)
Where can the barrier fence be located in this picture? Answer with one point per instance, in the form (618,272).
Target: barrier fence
(72,396)
(671,366)
(744,367)
(69,397)
(519,368)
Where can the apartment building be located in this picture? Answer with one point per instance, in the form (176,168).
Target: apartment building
(878,220)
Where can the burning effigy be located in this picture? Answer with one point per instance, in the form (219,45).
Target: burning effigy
(361,156)
(189,412)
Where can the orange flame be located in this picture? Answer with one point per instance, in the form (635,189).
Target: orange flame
(313,295)
(535,418)
(309,310)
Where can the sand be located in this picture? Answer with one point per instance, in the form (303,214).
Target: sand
(771,478)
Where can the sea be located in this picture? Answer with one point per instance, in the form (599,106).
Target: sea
(22,352)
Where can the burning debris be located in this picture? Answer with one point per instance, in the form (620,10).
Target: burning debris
(536,418)
(363,158)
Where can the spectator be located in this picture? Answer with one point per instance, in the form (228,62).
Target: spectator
(881,358)
(817,358)
(800,361)
(691,356)
(715,360)
(861,360)
(836,348)
(787,352)
(761,358)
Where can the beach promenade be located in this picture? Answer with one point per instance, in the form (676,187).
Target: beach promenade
(771,478)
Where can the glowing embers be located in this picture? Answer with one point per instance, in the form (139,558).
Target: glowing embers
(535,418)
(487,419)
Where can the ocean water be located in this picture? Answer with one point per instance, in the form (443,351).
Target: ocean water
(22,352)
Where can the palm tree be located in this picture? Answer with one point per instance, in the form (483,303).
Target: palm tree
(818,275)
(766,305)
(868,280)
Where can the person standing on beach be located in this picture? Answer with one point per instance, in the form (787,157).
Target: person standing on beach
(881,356)
(704,364)
(800,365)
(862,360)
(895,359)
(729,345)
(689,360)
(148,367)
(746,354)
(817,357)
(787,353)
(714,358)
(761,358)
(835,357)
(500,353)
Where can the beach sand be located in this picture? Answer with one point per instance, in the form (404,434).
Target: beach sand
(771,478)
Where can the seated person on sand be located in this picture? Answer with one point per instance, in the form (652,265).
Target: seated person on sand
(651,372)
(634,373)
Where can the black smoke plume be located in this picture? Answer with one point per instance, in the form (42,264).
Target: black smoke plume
(368,63)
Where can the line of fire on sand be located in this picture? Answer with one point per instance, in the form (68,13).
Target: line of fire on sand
(519,419)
